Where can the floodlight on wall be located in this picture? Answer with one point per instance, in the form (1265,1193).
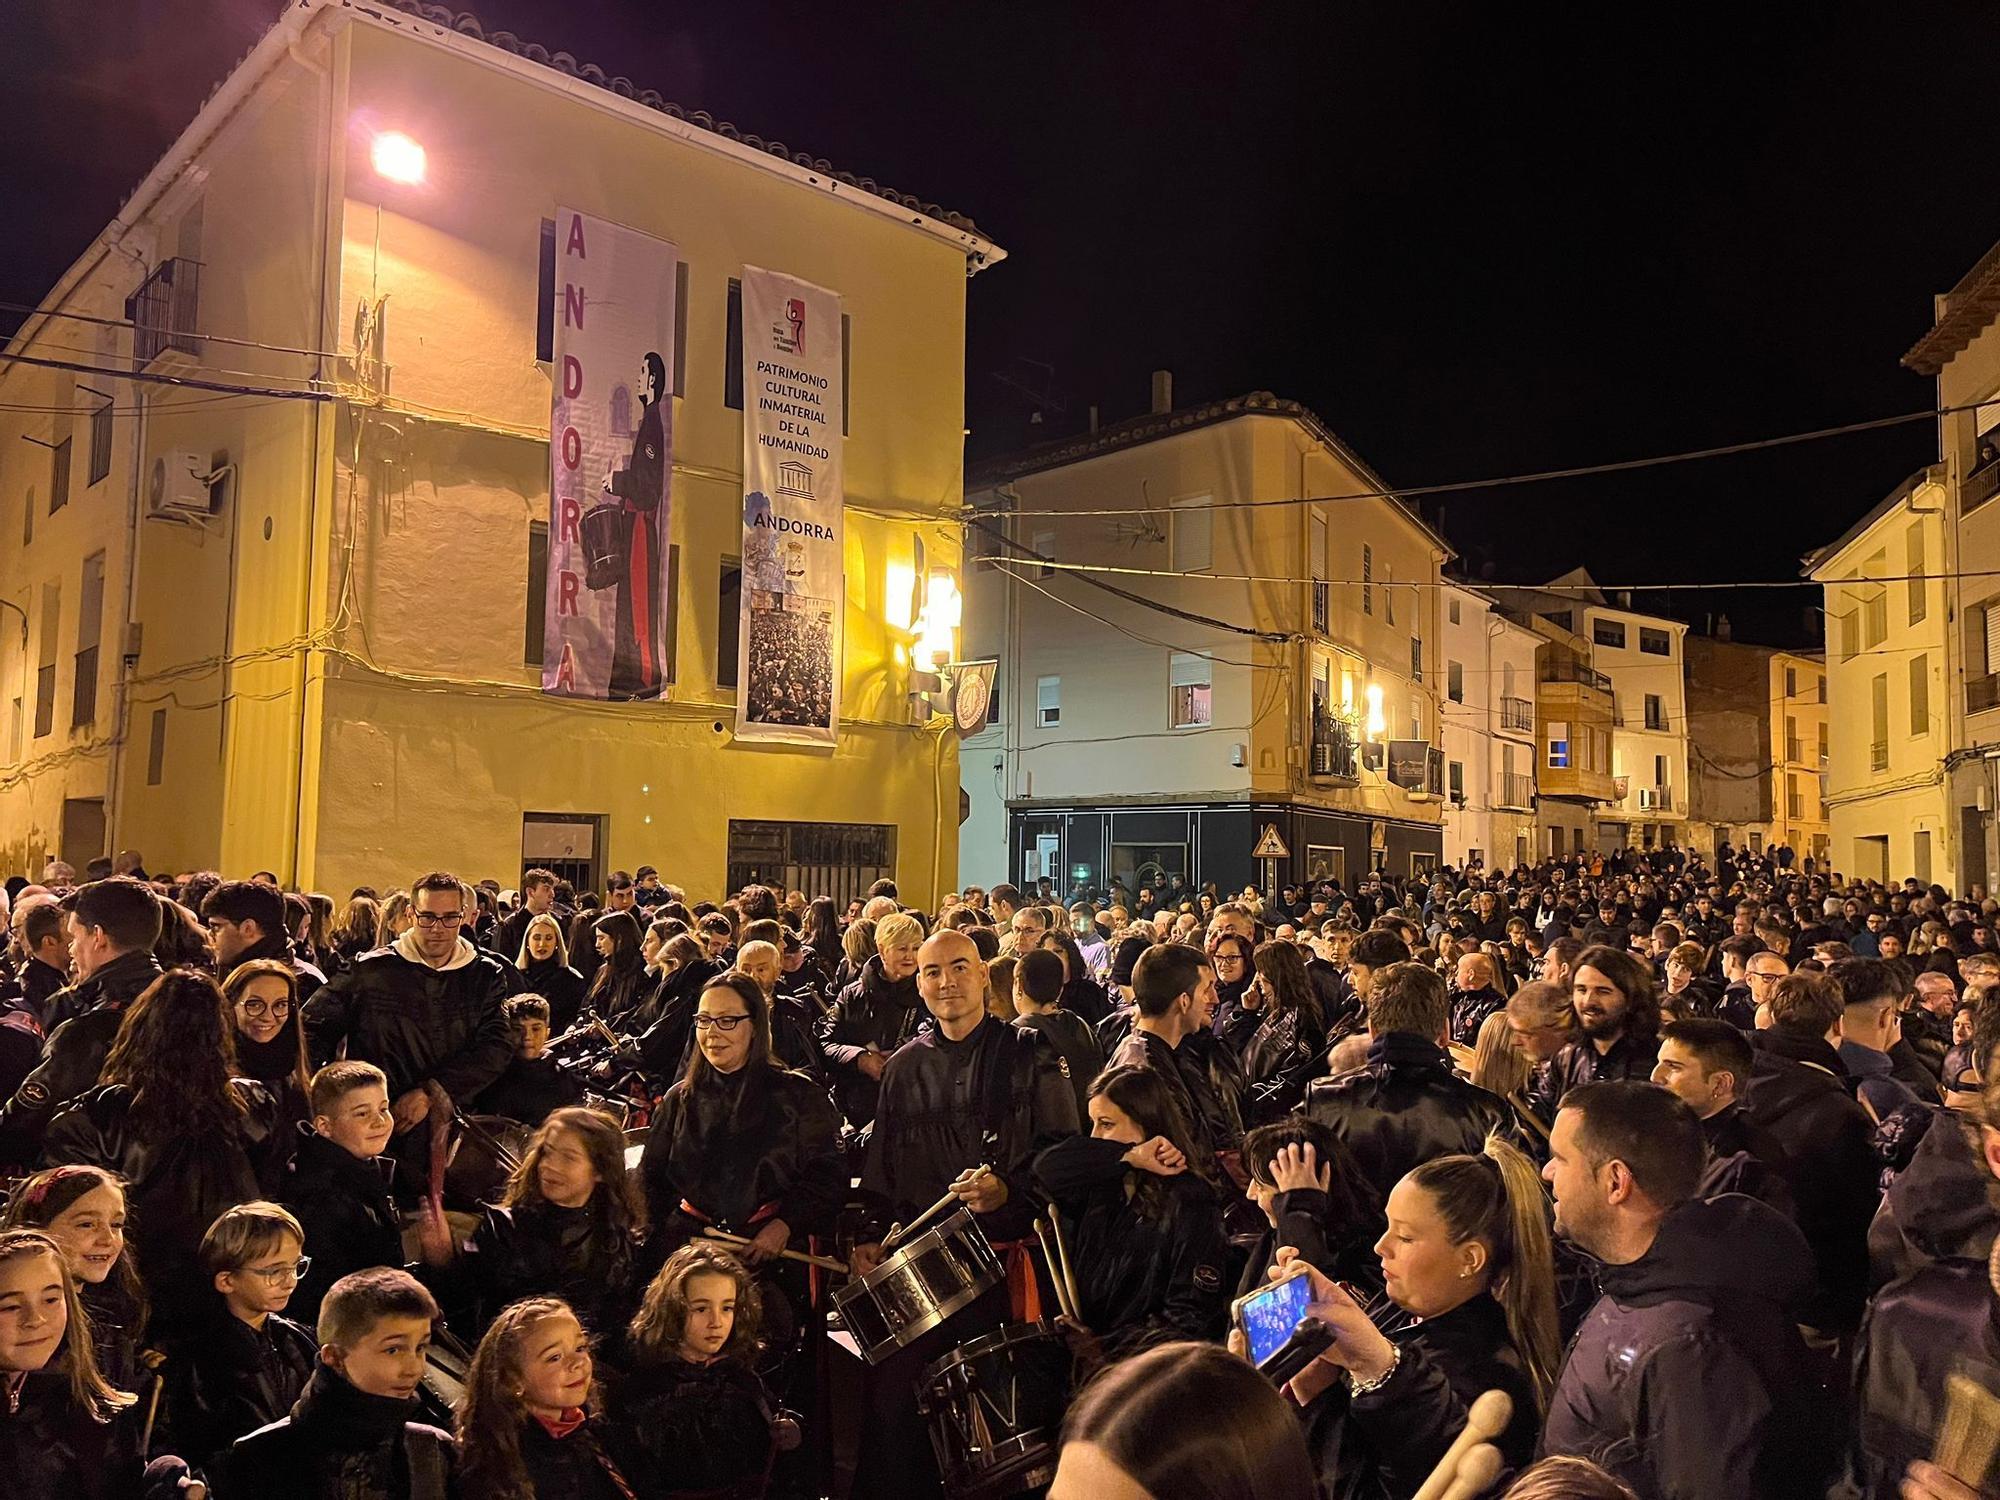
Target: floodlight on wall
(397,158)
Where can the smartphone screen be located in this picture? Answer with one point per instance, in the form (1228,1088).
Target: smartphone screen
(1269,1316)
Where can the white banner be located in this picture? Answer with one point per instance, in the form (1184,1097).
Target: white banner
(794,586)
(611,461)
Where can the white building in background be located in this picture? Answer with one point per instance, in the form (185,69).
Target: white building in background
(1486,712)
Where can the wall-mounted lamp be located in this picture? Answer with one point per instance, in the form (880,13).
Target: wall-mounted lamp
(398,158)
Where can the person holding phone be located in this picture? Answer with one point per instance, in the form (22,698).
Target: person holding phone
(1145,1233)
(1467,1252)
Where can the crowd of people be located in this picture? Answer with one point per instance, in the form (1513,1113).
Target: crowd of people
(461,1190)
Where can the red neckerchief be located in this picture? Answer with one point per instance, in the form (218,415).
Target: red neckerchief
(564,1425)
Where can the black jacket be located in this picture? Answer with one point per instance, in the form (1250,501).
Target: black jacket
(663,1045)
(1074,1040)
(998,1097)
(540,1250)
(232,1379)
(1186,1081)
(51,1447)
(1944,1206)
(1798,1093)
(1580,1062)
(1404,1108)
(530,1090)
(417,1024)
(1688,1379)
(740,1149)
(1344,1251)
(693,1429)
(1149,1262)
(75,1052)
(558,984)
(176,1186)
(275,1064)
(873,1014)
(1920,1330)
(578,1466)
(1469,1010)
(341,1444)
(40,984)
(281,950)
(342,1201)
(1384,1444)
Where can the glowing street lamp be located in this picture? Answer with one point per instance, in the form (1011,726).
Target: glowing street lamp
(397,158)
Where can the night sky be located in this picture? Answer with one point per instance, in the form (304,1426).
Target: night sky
(1478,240)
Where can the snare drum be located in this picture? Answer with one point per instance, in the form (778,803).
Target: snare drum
(475,1171)
(995,1408)
(442,1388)
(930,1277)
(604,546)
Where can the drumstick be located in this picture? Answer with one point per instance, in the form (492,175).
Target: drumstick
(823,1262)
(604,1031)
(1062,1250)
(897,1236)
(1055,1272)
(1488,1418)
(1477,1472)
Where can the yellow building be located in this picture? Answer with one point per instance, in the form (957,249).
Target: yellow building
(299,629)
(1888,807)
(1801,742)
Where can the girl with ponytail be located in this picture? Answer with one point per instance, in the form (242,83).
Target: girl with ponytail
(1470,1307)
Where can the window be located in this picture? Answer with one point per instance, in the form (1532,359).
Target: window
(1920,855)
(1822,744)
(1048,701)
(1660,772)
(1656,711)
(1875,618)
(1454,681)
(1416,658)
(1608,633)
(1655,642)
(1791,738)
(100,443)
(1920,694)
(545,306)
(89,635)
(1416,718)
(1562,619)
(1454,612)
(1191,677)
(728,620)
(1819,682)
(28,518)
(1367,579)
(1457,781)
(45,661)
(16,716)
(1878,705)
(59,476)
(1322,603)
(156,749)
(1791,682)
(1388,595)
(1914,543)
(1849,636)
(1794,801)
(1191,527)
(1044,545)
(538,593)
(1559,746)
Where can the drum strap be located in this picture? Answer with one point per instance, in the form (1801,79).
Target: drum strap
(427,1471)
(1024,1288)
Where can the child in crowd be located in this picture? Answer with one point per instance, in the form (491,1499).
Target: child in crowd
(534,1085)
(339,1182)
(249,1366)
(83,1210)
(692,1407)
(350,1433)
(527,1426)
(63,1429)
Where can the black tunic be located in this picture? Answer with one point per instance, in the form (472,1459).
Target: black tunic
(641,489)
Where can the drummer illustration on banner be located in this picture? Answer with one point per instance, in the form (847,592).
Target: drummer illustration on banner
(641,488)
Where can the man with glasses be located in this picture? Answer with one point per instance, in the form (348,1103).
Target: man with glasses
(427,1010)
(247,921)
(1762,971)
(1024,931)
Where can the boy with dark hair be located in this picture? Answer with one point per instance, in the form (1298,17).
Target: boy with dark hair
(1038,986)
(351,1432)
(534,1083)
(339,1182)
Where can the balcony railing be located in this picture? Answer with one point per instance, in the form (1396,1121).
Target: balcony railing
(1336,749)
(1981,485)
(1516,790)
(166,311)
(1561,669)
(1517,713)
(1982,693)
(1878,756)
(1322,605)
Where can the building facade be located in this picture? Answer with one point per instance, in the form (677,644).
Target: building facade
(1757,746)
(1890,809)
(301,630)
(1268,664)
(1487,716)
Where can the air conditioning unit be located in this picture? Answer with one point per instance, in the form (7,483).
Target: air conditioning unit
(178,488)
(1646,796)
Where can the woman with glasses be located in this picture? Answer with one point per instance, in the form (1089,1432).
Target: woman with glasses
(189,1137)
(263,998)
(1238,1010)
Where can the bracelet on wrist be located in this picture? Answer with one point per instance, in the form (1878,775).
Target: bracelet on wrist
(1363,1387)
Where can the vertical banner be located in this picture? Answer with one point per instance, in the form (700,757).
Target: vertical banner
(794,587)
(611,460)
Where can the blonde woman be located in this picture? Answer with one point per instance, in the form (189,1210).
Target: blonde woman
(544,964)
(397,919)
